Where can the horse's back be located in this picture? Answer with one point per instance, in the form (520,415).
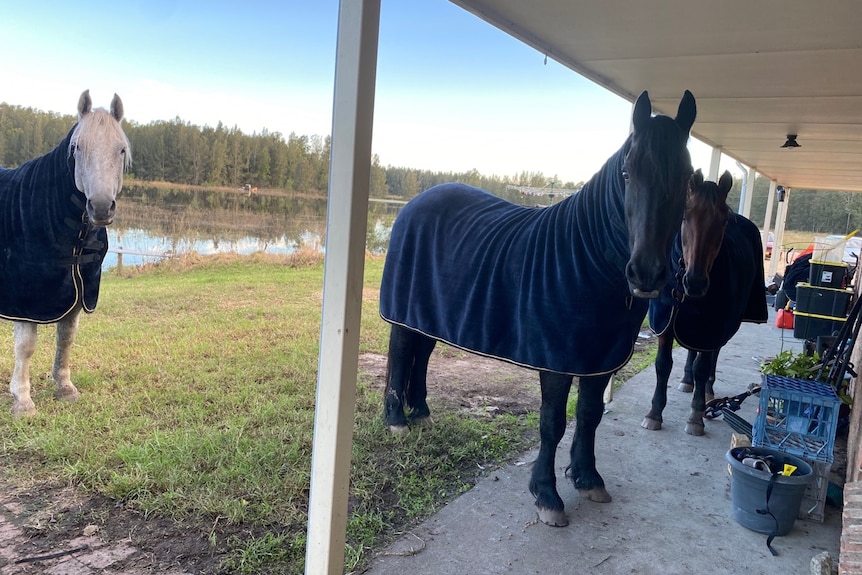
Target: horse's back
(463,207)
(511,282)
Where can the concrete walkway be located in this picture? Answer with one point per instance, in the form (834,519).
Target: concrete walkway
(671,508)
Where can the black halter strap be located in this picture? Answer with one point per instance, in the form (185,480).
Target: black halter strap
(76,201)
(87,249)
(766,511)
(678,289)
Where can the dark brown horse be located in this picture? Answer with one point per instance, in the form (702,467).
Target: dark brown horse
(722,280)
(563,289)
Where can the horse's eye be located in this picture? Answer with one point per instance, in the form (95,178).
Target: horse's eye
(123,151)
(626,175)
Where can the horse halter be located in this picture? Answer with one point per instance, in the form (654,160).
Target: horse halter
(87,248)
(678,291)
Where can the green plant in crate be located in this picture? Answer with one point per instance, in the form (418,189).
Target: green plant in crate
(790,364)
(801,366)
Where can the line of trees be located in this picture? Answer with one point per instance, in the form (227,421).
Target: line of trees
(822,212)
(182,153)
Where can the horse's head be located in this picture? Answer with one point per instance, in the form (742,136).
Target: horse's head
(101,153)
(706,215)
(656,173)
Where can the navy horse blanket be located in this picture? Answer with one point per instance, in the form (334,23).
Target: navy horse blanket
(50,256)
(539,287)
(737,292)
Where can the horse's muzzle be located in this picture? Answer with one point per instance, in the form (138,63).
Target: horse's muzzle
(101,214)
(637,292)
(646,282)
(695,286)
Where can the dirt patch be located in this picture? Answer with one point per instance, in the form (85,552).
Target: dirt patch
(57,530)
(461,380)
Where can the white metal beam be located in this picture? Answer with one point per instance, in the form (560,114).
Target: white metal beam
(767,222)
(714,164)
(780,220)
(747,194)
(347,215)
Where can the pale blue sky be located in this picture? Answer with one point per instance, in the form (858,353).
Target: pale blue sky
(453,93)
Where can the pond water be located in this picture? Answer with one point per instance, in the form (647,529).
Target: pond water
(153,223)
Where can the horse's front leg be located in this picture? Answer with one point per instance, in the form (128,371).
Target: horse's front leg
(25,336)
(710,382)
(702,366)
(589,412)
(67,329)
(687,383)
(663,367)
(552,426)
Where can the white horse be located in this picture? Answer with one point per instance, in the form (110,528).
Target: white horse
(53,213)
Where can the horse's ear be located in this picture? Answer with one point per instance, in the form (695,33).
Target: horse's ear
(85,104)
(643,110)
(117,108)
(687,112)
(696,179)
(724,184)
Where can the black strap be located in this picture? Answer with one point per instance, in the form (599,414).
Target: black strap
(80,259)
(678,291)
(76,201)
(75,224)
(766,511)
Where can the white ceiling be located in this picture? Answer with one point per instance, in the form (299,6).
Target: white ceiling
(759,69)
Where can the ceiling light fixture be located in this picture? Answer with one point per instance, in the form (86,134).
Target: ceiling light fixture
(791,142)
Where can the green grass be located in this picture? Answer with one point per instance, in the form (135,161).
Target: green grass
(198,386)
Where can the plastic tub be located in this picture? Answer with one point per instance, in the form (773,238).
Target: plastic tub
(748,487)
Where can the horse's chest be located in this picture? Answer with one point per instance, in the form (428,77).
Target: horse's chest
(51,263)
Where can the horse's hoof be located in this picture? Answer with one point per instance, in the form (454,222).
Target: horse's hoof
(67,393)
(425,421)
(685,387)
(23,408)
(651,424)
(401,430)
(553,517)
(697,429)
(597,494)
(710,397)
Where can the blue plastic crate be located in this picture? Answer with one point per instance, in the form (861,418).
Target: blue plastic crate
(798,417)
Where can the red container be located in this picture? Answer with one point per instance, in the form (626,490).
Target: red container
(784,319)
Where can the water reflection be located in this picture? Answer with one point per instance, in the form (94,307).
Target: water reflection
(138,246)
(156,222)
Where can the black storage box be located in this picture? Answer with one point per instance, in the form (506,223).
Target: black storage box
(827,274)
(809,326)
(822,300)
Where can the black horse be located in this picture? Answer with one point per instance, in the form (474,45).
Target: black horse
(723,281)
(561,289)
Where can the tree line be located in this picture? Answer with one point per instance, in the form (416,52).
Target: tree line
(183,153)
(818,211)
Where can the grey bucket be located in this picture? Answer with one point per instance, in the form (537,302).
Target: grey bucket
(748,490)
